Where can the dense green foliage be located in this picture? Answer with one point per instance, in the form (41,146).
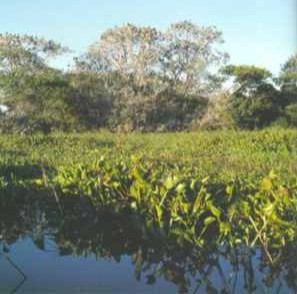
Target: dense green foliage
(237,187)
(140,79)
(256,103)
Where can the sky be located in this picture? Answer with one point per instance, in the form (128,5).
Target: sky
(259,32)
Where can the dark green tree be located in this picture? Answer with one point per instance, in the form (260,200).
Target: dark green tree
(254,102)
(34,93)
(288,84)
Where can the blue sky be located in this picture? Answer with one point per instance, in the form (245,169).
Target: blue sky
(260,32)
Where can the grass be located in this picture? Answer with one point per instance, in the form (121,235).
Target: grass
(225,155)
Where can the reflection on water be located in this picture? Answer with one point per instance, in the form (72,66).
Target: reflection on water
(85,250)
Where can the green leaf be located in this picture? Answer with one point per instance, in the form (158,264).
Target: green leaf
(209,220)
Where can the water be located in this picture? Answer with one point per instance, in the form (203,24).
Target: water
(83,250)
(46,272)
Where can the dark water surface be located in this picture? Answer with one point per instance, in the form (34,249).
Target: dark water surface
(82,250)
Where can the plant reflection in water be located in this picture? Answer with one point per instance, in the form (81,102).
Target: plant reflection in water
(81,230)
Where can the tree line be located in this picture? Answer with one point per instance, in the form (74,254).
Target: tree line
(140,79)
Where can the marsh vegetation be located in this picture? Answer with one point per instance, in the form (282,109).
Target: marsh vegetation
(181,207)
